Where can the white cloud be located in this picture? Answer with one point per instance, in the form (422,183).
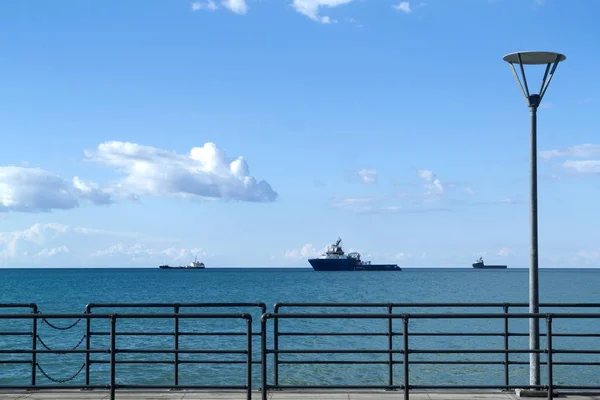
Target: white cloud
(53,251)
(53,244)
(469,190)
(48,240)
(434,185)
(237,6)
(140,252)
(204,172)
(35,190)
(307,251)
(368,175)
(403,6)
(310,8)
(505,252)
(579,151)
(584,166)
(208,5)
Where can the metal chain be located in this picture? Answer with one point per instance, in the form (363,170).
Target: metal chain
(59,328)
(39,367)
(60,352)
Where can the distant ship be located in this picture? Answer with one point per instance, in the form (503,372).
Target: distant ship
(480,265)
(334,259)
(193,265)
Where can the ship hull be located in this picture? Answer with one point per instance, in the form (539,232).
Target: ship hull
(482,266)
(320,264)
(169,267)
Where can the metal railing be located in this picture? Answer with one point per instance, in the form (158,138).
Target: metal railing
(405,350)
(394,355)
(176,307)
(113,350)
(33,333)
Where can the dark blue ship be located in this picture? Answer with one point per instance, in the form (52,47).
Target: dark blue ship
(480,265)
(334,259)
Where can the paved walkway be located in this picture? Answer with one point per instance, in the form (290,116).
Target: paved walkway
(287,395)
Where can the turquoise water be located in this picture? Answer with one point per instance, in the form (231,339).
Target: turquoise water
(69,290)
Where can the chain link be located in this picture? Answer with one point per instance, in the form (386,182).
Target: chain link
(55,380)
(60,352)
(59,328)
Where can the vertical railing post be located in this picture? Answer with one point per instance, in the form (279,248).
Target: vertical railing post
(88,329)
(506,346)
(34,310)
(549,358)
(405,352)
(390,348)
(276,345)
(263,351)
(176,345)
(113,346)
(249,358)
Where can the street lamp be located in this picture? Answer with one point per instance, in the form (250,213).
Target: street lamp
(551,61)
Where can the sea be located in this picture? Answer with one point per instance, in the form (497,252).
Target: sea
(69,290)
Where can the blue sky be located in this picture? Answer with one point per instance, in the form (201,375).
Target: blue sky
(254,133)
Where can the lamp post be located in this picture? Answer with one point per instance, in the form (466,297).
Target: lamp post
(550,60)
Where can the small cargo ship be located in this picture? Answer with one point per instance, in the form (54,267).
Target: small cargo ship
(193,265)
(480,265)
(334,259)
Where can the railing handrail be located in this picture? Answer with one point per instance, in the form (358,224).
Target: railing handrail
(124,315)
(405,351)
(394,312)
(433,305)
(113,350)
(90,306)
(427,315)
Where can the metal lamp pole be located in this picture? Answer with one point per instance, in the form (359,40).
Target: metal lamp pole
(551,61)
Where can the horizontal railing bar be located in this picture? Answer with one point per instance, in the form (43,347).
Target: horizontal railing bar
(393,334)
(499,334)
(173,334)
(343,362)
(482,334)
(42,351)
(410,351)
(411,387)
(128,316)
(443,362)
(582,363)
(157,305)
(171,362)
(424,305)
(335,387)
(119,386)
(593,387)
(448,387)
(52,387)
(336,351)
(180,305)
(180,351)
(431,316)
(121,351)
(476,351)
(333,334)
(208,387)
(576,351)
